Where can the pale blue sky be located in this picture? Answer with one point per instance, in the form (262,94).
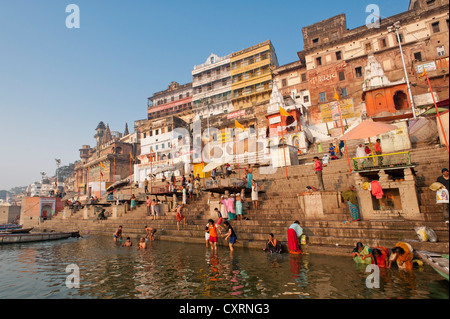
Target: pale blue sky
(56,83)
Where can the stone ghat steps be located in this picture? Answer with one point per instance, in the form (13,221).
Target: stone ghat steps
(254,233)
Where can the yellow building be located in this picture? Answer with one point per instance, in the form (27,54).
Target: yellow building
(251,75)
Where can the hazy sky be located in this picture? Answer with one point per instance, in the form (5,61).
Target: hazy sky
(57,84)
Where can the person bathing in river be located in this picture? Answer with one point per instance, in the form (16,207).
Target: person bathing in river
(149,233)
(142,244)
(360,253)
(118,234)
(379,256)
(213,234)
(230,235)
(294,234)
(273,245)
(127,243)
(402,254)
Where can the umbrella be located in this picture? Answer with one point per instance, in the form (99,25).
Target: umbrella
(210,166)
(367,129)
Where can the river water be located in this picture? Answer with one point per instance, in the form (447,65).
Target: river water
(169,270)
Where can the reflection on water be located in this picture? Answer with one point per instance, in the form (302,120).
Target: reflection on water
(167,270)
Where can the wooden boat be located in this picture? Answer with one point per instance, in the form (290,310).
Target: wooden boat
(34,237)
(438,261)
(5,227)
(16,231)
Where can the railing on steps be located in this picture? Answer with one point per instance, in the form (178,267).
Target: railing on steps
(383,161)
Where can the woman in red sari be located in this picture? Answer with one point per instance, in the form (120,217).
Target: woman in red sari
(379,256)
(294,234)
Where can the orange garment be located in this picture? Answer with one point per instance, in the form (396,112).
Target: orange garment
(212,230)
(405,261)
(377,147)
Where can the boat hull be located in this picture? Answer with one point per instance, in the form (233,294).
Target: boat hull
(437,261)
(34,237)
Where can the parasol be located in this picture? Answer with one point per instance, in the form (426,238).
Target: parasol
(367,129)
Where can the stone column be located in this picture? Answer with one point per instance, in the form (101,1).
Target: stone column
(114,214)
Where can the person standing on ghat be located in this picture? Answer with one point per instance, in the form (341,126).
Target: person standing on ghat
(444,180)
(318,168)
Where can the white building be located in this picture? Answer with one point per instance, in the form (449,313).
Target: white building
(211,84)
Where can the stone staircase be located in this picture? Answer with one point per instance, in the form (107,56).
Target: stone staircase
(279,207)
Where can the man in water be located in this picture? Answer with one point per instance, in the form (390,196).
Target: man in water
(150,232)
(118,234)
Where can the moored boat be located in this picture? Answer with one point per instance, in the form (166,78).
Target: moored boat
(5,227)
(14,238)
(16,230)
(438,261)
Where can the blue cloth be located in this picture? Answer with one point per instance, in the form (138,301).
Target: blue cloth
(354,211)
(249,180)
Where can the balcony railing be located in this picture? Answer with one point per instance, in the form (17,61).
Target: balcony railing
(383,161)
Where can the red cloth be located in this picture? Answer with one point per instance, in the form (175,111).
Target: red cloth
(292,240)
(377,191)
(318,166)
(381,261)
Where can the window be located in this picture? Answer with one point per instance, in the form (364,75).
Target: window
(338,55)
(400,35)
(283,82)
(435,27)
(440,50)
(368,46)
(318,61)
(323,96)
(383,43)
(344,92)
(315,42)
(341,76)
(418,56)
(303,77)
(358,72)
(431,3)
(306,98)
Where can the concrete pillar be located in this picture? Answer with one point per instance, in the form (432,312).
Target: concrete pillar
(174,201)
(114,214)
